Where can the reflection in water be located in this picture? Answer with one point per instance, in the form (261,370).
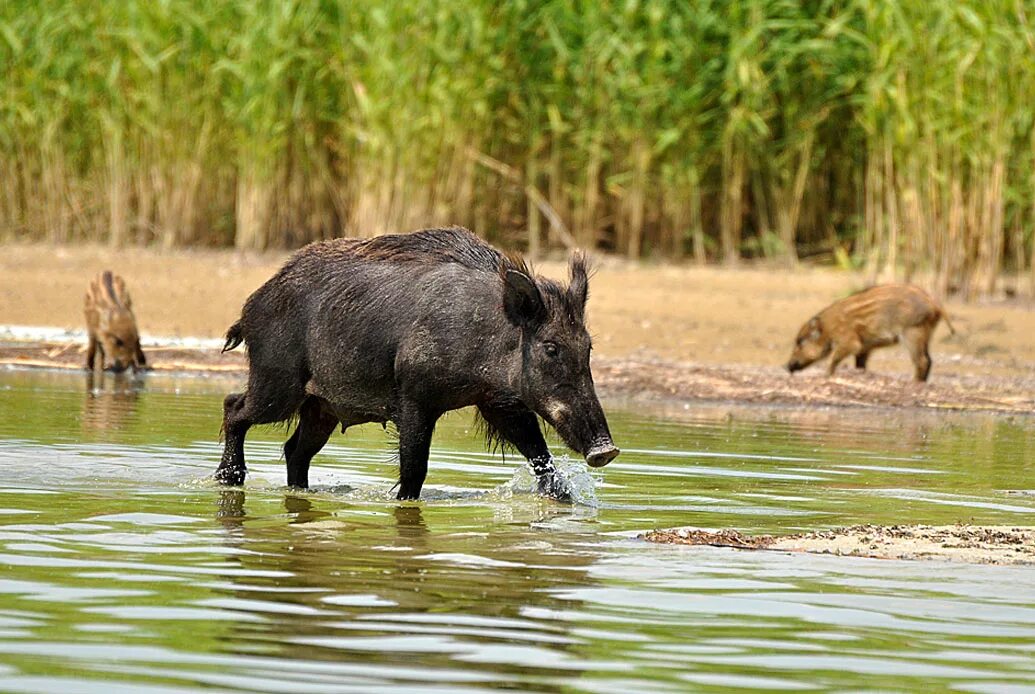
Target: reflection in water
(409,522)
(399,587)
(111,401)
(297,505)
(230,507)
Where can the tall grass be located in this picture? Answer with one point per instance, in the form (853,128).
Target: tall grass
(894,134)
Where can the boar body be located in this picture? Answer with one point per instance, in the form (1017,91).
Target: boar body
(111,325)
(403,328)
(873,318)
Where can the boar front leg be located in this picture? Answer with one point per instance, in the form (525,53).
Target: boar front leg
(520,428)
(92,348)
(416,426)
(840,352)
(139,360)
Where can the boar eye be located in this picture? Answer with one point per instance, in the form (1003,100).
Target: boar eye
(118,342)
(550,348)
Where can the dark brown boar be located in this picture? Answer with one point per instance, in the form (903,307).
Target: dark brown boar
(111,325)
(873,318)
(404,328)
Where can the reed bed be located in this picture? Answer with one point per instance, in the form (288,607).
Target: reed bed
(894,135)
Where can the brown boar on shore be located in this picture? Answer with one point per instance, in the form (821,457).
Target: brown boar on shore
(876,317)
(111,325)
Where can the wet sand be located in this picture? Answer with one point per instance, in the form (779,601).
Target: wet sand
(656,380)
(971,544)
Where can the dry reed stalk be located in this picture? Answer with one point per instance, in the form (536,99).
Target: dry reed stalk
(1031,216)
(253,212)
(876,222)
(532,214)
(889,271)
(585,221)
(731,214)
(634,200)
(118,189)
(696,220)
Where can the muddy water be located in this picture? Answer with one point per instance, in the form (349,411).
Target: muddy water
(122,569)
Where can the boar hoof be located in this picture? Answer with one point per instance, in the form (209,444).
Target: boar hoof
(554,486)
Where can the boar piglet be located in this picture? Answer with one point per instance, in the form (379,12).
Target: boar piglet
(873,318)
(404,328)
(111,326)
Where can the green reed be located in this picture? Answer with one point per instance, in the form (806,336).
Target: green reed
(895,135)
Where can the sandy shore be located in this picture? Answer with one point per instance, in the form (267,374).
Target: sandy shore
(655,379)
(665,331)
(971,544)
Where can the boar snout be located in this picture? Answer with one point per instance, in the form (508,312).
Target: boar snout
(584,429)
(793,366)
(602,453)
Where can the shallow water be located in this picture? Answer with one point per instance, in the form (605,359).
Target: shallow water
(122,569)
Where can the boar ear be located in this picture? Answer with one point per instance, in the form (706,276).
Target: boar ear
(522,301)
(578,287)
(815,328)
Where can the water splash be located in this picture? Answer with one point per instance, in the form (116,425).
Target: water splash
(572,477)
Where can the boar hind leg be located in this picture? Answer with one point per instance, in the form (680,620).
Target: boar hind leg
(917,339)
(231,470)
(415,425)
(263,403)
(860,360)
(315,425)
(520,428)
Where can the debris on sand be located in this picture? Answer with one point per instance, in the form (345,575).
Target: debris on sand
(643,379)
(171,358)
(972,544)
(717,538)
(647,378)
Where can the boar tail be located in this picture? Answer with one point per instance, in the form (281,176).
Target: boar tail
(234,337)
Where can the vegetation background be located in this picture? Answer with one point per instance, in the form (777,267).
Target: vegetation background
(892,135)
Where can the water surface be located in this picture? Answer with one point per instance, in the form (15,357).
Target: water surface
(122,568)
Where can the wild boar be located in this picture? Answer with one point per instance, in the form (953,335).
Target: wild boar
(873,318)
(403,328)
(111,326)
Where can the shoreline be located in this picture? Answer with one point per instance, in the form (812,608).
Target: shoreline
(638,378)
(996,545)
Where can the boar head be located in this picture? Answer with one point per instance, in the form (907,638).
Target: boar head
(811,345)
(119,339)
(555,379)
